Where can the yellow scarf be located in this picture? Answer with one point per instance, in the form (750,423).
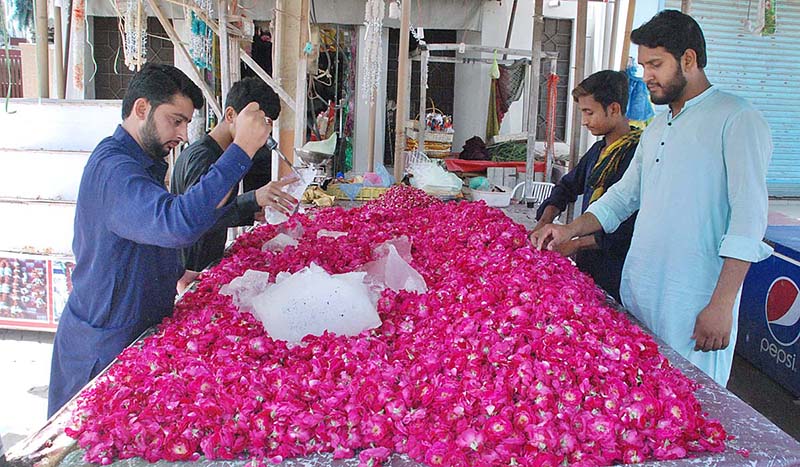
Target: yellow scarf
(608,162)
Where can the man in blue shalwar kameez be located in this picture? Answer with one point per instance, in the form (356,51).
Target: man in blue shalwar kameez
(698,179)
(128,227)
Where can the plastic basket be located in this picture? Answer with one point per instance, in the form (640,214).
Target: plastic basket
(365,194)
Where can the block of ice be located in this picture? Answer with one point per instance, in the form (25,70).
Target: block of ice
(246,287)
(311,301)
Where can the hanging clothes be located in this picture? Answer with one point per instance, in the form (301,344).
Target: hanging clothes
(505,88)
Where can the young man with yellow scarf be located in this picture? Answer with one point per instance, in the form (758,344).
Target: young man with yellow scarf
(602,99)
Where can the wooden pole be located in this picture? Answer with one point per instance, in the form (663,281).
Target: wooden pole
(626,41)
(76,51)
(580,61)
(301,87)
(58,59)
(224,49)
(423,99)
(68,34)
(193,73)
(248,60)
(402,91)
(373,116)
(261,73)
(686,7)
(42,54)
(510,25)
(533,107)
(614,35)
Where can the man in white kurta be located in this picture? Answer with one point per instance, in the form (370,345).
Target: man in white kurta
(698,179)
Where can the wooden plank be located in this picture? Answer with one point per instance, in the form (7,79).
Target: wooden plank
(533,109)
(224,49)
(248,60)
(403,80)
(58,58)
(580,60)
(301,86)
(194,74)
(423,97)
(42,59)
(626,41)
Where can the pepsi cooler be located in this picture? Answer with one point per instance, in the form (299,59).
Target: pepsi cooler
(769,315)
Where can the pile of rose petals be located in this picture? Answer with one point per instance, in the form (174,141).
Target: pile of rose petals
(510,358)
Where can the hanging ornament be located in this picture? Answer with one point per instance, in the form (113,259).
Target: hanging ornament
(201,37)
(394,9)
(373,20)
(134,31)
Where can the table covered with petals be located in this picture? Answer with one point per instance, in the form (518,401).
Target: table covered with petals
(751,440)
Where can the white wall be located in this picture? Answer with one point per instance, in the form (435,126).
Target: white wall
(52,124)
(471,95)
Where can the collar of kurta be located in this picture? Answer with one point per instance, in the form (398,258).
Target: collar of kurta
(157,167)
(695,101)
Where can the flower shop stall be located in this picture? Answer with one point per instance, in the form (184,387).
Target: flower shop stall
(499,355)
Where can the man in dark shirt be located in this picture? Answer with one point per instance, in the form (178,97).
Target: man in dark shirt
(195,161)
(602,99)
(128,227)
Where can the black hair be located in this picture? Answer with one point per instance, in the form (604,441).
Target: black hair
(253,89)
(674,31)
(606,87)
(159,84)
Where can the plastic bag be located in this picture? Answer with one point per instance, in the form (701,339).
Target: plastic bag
(245,288)
(295,189)
(287,236)
(433,178)
(351,189)
(339,303)
(391,268)
(330,233)
(279,243)
(387,179)
(639,107)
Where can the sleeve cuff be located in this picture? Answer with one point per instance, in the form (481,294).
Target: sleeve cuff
(744,248)
(608,220)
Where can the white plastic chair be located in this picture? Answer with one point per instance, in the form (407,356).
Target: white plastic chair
(539,192)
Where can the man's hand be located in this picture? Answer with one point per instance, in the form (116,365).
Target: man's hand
(712,328)
(252,129)
(548,216)
(551,236)
(272,195)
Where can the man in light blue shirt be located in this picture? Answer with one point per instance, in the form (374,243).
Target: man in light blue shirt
(698,179)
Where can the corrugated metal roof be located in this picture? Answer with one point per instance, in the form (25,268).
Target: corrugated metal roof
(764,70)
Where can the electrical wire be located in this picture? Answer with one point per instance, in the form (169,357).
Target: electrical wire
(91,46)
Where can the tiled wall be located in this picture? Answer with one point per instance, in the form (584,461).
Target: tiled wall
(111,84)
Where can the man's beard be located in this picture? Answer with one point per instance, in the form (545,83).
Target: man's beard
(672,90)
(151,144)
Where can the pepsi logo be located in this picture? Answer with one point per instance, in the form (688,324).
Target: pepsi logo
(783,311)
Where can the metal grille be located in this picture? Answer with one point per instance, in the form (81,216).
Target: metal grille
(557,37)
(765,70)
